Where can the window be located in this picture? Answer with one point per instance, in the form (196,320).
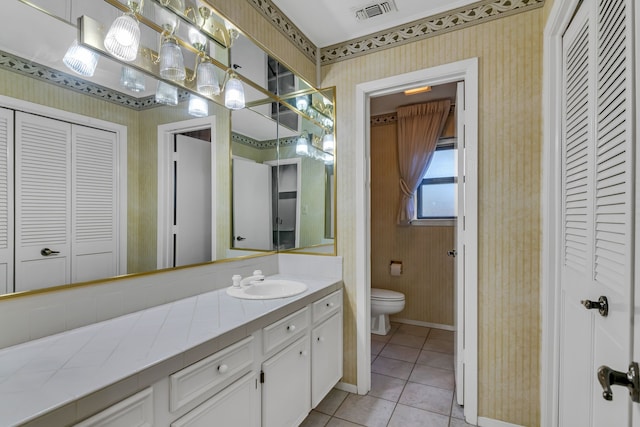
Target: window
(436,194)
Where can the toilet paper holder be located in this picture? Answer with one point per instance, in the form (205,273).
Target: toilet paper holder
(395,268)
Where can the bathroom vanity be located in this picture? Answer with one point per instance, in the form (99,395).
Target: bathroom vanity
(209,357)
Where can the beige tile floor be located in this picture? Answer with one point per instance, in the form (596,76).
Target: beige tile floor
(412,385)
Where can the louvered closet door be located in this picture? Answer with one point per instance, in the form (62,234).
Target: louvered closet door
(596,211)
(6,200)
(43,202)
(93,184)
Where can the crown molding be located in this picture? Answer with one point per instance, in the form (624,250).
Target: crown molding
(456,19)
(279,20)
(262,145)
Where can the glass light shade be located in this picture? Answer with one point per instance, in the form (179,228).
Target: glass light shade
(132,79)
(207,81)
(123,38)
(302,147)
(302,103)
(198,107)
(166,94)
(234,94)
(80,59)
(328,143)
(171,61)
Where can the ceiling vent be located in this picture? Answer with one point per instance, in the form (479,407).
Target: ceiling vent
(375,9)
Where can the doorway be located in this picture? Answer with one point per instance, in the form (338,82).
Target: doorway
(466,299)
(179,186)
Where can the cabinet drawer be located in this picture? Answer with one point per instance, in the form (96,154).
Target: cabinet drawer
(211,374)
(284,330)
(134,411)
(327,306)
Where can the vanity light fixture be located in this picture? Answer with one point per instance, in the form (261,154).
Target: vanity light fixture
(328,143)
(80,59)
(302,103)
(302,146)
(204,71)
(207,79)
(166,94)
(230,35)
(198,107)
(132,79)
(233,92)
(123,37)
(171,60)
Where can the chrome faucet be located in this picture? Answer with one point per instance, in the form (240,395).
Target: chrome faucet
(256,277)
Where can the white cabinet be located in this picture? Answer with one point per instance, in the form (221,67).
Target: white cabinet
(134,411)
(271,378)
(286,391)
(211,374)
(326,346)
(236,405)
(326,357)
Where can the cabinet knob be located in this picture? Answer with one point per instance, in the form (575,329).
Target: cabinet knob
(223,368)
(320,339)
(303,353)
(291,328)
(329,304)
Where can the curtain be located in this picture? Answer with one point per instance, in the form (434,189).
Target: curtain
(419,127)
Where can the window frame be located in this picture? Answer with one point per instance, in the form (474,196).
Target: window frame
(443,144)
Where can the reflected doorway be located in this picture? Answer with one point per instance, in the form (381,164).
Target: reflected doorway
(186,193)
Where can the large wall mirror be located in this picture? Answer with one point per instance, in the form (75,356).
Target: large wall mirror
(204,182)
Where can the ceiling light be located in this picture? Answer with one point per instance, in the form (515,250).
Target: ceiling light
(417,90)
(123,38)
(80,59)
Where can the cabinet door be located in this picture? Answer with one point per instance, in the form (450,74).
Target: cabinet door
(94,212)
(6,201)
(236,405)
(43,202)
(326,357)
(286,390)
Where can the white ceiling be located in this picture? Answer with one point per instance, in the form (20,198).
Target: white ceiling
(328,22)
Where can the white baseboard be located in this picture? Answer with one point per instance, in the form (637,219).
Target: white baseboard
(425,324)
(488,422)
(350,388)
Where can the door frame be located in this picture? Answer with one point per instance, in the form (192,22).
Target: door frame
(298,162)
(557,23)
(165,185)
(467,71)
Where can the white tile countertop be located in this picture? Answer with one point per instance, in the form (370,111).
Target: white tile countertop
(45,374)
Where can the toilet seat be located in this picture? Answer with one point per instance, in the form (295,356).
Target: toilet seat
(386,295)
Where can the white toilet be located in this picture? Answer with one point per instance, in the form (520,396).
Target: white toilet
(383,303)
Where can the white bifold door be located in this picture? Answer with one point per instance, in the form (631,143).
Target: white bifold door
(597,216)
(65,203)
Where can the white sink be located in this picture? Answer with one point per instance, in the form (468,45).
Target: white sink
(268,289)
